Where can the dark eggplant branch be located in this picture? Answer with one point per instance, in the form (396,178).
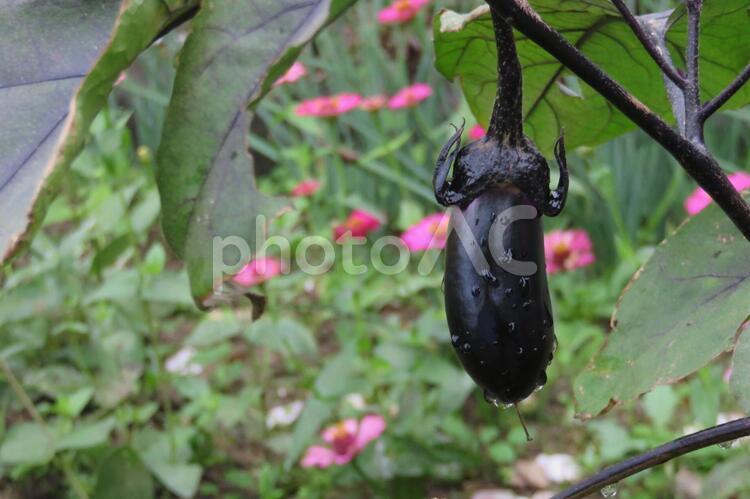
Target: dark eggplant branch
(645,38)
(726,432)
(714,104)
(506,123)
(693,123)
(692,156)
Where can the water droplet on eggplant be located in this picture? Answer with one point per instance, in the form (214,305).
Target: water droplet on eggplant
(609,491)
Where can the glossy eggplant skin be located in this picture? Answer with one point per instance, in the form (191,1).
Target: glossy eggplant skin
(500,323)
(499,312)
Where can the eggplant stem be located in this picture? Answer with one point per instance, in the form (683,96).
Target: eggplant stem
(506,124)
(523,423)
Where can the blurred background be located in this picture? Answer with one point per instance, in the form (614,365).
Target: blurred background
(348,385)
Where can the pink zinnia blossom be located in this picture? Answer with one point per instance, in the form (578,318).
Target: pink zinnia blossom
(698,200)
(358,224)
(477,132)
(566,250)
(305,188)
(400,11)
(410,96)
(327,106)
(373,103)
(346,439)
(429,233)
(258,271)
(294,73)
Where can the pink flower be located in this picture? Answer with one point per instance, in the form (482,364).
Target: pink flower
(410,96)
(373,103)
(327,106)
(477,132)
(400,11)
(566,250)
(698,200)
(294,73)
(305,188)
(346,439)
(258,271)
(358,224)
(120,78)
(429,233)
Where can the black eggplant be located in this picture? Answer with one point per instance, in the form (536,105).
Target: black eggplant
(496,296)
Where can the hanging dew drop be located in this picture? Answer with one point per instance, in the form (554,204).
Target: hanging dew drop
(609,491)
(489,277)
(727,445)
(491,398)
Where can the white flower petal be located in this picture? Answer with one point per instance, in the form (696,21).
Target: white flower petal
(559,467)
(284,415)
(181,362)
(356,400)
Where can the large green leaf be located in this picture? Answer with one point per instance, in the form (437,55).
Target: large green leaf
(553,98)
(205,175)
(681,310)
(58,62)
